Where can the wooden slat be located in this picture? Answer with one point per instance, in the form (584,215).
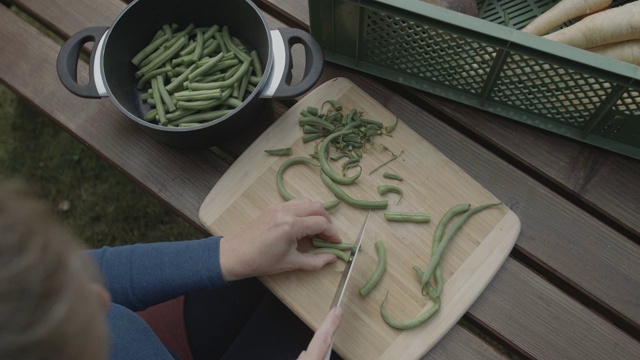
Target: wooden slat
(547,238)
(181,179)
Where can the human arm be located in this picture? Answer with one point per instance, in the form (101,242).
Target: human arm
(141,275)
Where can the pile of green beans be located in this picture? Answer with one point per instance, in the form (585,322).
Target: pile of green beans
(441,238)
(195,75)
(345,133)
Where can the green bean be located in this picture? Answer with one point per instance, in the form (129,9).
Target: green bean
(279,152)
(162,117)
(389,128)
(243,85)
(210,47)
(352,161)
(202,117)
(232,102)
(151,115)
(151,74)
(243,56)
(338,156)
(339,253)
(223,84)
(392,176)
(223,45)
(198,95)
(340,194)
(435,257)
(149,49)
(205,69)
(331,204)
(334,104)
(328,205)
(177,82)
(407,217)
(376,276)
(257,65)
(320,243)
(280,174)
(225,64)
(163,57)
(179,114)
(197,53)
(437,238)
(315,121)
(229,74)
(326,168)
(409,324)
(311,137)
(383,189)
(254,80)
(204,104)
(166,98)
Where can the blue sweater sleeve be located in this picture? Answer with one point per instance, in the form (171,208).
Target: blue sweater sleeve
(142,275)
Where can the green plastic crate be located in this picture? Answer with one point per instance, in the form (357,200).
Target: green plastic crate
(487,63)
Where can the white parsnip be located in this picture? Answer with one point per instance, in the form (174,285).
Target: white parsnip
(606,27)
(627,51)
(562,12)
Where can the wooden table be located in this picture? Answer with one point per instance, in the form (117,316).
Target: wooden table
(570,288)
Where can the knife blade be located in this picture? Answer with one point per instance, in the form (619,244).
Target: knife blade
(346,274)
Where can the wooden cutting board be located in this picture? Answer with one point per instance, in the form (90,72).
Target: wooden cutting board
(432,183)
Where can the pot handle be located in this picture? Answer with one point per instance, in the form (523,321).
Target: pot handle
(67,62)
(314,62)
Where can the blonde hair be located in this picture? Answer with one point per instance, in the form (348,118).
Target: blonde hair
(47,309)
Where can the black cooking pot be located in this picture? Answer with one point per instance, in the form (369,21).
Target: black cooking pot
(112,74)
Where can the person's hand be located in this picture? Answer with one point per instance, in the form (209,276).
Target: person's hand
(269,244)
(321,340)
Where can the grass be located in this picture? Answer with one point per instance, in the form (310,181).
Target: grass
(78,185)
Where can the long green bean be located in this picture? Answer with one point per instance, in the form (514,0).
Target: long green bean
(411,323)
(340,194)
(280,174)
(223,84)
(329,205)
(437,239)
(435,257)
(377,274)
